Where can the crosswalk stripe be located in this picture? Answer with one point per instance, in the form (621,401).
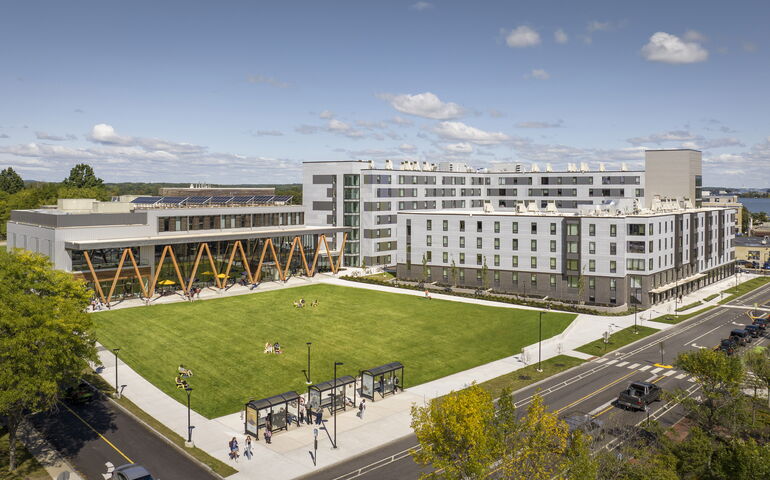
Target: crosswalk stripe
(600,360)
(611,362)
(680,376)
(691,380)
(656,370)
(669,373)
(633,366)
(645,368)
(621,364)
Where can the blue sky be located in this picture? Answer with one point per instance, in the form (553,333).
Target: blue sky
(243,92)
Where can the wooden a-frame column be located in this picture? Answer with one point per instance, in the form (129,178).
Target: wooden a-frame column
(294,244)
(126,253)
(239,247)
(93,275)
(204,246)
(268,242)
(170,251)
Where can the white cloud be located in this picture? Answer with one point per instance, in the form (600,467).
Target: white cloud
(663,137)
(420,6)
(686,139)
(694,36)
(103,133)
(425,105)
(268,133)
(560,36)
(536,124)
(404,122)
(54,138)
(306,129)
(539,74)
(462,147)
(340,127)
(407,147)
(667,48)
(106,135)
(326,114)
(522,36)
(461,132)
(597,26)
(267,80)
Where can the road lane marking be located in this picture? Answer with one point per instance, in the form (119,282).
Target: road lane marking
(621,364)
(663,366)
(656,370)
(680,376)
(633,366)
(691,380)
(645,368)
(96,432)
(600,360)
(611,362)
(669,373)
(703,335)
(595,392)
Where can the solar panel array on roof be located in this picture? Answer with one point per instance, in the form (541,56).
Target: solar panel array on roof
(218,200)
(282,198)
(221,199)
(145,200)
(172,200)
(242,199)
(262,198)
(197,200)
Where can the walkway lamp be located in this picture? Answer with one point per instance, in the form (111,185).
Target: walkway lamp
(334,402)
(189,443)
(315,446)
(540,342)
(307,375)
(117,385)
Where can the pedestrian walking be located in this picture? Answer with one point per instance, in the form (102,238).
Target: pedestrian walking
(301,411)
(234,449)
(361,408)
(319,417)
(268,433)
(309,415)
(247,448)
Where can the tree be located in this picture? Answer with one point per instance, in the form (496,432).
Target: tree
(425,268)
(485,275)
(45,336)
(745,215)
(720,377)
(453,272)
(694,454)
(758,363)
(10,181)
(456,434)
(82,176)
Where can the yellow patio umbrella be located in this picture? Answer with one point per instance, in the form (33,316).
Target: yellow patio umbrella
(207,273)
(221,275)
(167,282)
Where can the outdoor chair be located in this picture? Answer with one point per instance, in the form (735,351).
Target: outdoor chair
(181,384)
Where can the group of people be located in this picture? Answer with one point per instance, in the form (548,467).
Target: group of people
(97,305)
(194,293)
(182,373)
(273,348)
(235,449)
(302,304)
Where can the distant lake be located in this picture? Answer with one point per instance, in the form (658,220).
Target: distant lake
(756,204)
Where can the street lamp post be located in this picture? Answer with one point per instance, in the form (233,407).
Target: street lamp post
(307,379)
(540,343)
(117,385)
(635,309)
(315,446)
(334,402)
(188,389)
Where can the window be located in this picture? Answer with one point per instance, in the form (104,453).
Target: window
(462,275)
(552,280)
(497,244)
(497,260)
(515,244)
(445,257)
(515,261)
(636,229)
(613,230)
(553,263)
(515,227)
(635,247)
(478,276)
(553,245)
(428,256)
(652,265)
(591,247)
(613,248)
(572,247)
(429,225)
(652,230)
(429,241)
(592,265)
(652,244)
(462,242)
(462,258)
(515,278)
(613,284)
(478,242)
(445,241)
(533,279)
(573,265)
(497,227)
(496,275)
(533,228)
(462,225)
(479,259)
(635,264)
(573,229)
(592,229)
(533,245)
(591,283)
(444,274)
(553,229)
(478,226)
(613,266)
(445,225)
(573,281)
(533,262)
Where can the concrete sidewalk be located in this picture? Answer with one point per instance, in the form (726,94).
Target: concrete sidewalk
(385,420)
(44,453)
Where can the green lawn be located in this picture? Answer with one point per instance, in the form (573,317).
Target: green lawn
(744,288)
(222,340)
(621,338)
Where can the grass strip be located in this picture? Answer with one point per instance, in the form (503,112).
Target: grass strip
(711,297)
(674,319)
(619,339)
(744,288)
(529,374)
(217,466)
(27,467)
(689,306)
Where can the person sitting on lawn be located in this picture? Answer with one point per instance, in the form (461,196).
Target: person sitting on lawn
(277,348)
(268,347)
(184,371)
(315,303)
(180,383)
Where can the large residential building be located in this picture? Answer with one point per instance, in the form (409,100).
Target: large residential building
(129,246)
(600,256)
(723,200)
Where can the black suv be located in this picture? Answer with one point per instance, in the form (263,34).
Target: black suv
(727,345)
(753,330)
(741,336)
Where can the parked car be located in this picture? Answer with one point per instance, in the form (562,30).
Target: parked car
(753,330)
(80,393)
(586,423)
(761,323)
(638,395)
(741,336)
(131,471)
(727,345)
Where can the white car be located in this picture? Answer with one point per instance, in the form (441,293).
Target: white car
(131,471)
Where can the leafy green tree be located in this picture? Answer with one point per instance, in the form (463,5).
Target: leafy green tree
(45,336)
(581,465)
(453,273)
(722,403)
(485,275)
(741,460)
(694,455)
(745,214)
(758,363)
(10,181)
(425,268)
(456,434)
(82,176)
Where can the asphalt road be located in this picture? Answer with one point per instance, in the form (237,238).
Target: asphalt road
(92,434)
(591,388)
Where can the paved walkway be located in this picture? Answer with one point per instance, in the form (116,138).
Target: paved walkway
(44,453)
(385,420)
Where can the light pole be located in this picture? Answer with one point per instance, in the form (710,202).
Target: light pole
(188,389)
(117,385)
(307,377)
(334,402)
(635,330)
(540,343)
(315,446)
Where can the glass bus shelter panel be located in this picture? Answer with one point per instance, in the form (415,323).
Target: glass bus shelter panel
(251,420)
(314,399)
(367,385)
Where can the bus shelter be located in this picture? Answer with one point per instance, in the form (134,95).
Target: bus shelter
(323,395)
(274,410)
(383,380)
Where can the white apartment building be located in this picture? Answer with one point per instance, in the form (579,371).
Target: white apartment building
(600,256)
